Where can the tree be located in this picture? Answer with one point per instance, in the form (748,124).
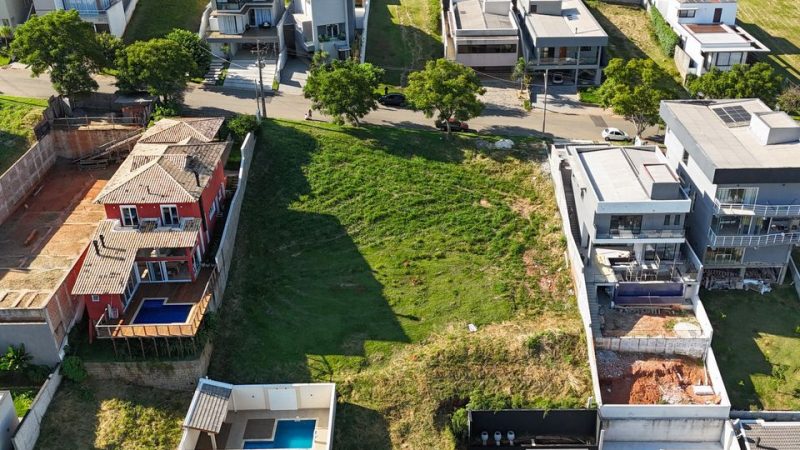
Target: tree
(6,33)
(194,46)
(634,89)
(63,44)
(343,89)
(159,66)
(520,74)
(741,81)
(110,46)
(445,88)
(789,100)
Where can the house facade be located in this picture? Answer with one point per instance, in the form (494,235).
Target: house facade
(107,16)
(326,25)
(144,263)
(709,36)
(481,34)
(241,25)
(739,162)
(561,36)
(14,12)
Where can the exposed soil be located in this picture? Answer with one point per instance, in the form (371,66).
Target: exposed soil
(523,206)
(630,378)
(620,323)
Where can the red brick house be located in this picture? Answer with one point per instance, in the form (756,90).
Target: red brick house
(143,265)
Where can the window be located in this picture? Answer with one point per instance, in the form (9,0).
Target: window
(95,298)
(723,59)
(745,196)
(505,48)
(664,252)
(212,210)
(666,220)
(130,288)
(686,13)
(169,216)
(128,216)
(685,157)
(626,223)
(723,255)
(677,220)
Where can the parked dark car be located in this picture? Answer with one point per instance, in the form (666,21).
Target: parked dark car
(455,125)
(392,100)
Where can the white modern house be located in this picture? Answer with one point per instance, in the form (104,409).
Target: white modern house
(227,416)
(14,12)
(561,36)
(481,34)
(327,25)
(243,25)
(107,16)
(709,34)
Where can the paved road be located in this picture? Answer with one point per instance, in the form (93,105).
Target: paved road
(497,119)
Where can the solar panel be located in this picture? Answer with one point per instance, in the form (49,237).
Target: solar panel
(733,115)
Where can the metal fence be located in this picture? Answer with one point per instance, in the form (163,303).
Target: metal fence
(28,430)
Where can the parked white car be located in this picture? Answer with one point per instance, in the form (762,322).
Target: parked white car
(615,134)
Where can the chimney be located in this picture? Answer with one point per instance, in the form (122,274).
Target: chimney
(196,177)
(96,247)
(103,241)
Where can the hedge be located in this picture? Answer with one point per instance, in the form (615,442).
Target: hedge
(667,38)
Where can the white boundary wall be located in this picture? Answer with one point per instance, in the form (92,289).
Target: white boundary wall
(28,431)
(363,51)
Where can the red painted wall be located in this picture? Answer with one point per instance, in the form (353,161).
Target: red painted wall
(96,309)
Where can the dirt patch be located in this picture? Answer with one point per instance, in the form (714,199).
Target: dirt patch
(546,281)
(485,203)
(620,323)
(523,206)
(638,379)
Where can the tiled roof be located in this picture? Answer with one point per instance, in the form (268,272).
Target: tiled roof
(772,435)
(210,408)
(164,173)
(108,271)
(171,131)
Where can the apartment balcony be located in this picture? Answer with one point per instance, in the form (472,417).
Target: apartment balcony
(744,209)
(95,12)
(624,236)
(238,5)
(753,240)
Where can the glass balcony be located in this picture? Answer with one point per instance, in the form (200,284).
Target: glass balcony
(758,240)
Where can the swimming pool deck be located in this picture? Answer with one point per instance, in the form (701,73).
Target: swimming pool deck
(235,429)
(173,292)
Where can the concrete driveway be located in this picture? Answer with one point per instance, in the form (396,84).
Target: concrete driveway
(293,77)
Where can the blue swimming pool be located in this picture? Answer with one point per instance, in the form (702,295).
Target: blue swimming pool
(289,434)
(157,311)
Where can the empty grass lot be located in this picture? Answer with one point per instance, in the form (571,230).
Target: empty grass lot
(113,415)
(757,345)
(776,23)
(403,35)
(18,115)
(155,18)
(362,255)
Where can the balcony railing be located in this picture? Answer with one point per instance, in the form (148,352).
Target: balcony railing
(756,240)
(642,234)
(106,329)
(758,210)
(235,5)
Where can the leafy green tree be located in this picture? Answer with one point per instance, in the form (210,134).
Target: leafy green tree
(634,89)
(789,100)
(758,80)
(63,44)
(344,90)
(196,47)
(6,33)
(16,359)
(110,47)
(520,73)
(447,89)
(159,66)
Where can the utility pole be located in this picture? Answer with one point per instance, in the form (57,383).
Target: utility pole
(544,117)
(261,79)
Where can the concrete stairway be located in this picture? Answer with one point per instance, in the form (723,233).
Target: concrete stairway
(213,72)
(243,74)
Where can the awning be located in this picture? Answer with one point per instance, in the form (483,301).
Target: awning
(210,407)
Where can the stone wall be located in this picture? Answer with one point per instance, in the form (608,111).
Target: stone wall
(20,179)
(172,375)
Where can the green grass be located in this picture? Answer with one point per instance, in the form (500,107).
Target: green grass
(109,414)
(17,117)
(775,24)
(630,36)
(4,59)
(403,35)
(23,398)
(156,18)
(757,345)
(589,95)
(362,255)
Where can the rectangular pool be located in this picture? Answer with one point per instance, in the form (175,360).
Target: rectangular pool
(156,310)
(288,434)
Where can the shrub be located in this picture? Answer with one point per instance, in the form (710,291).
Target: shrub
(459,424)
(36,374)
(16,359)
(167,109)
(195,46)
(73,369)
(667,38)
(789,100)
(241,124)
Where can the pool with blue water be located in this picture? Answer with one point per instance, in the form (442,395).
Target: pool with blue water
(288,434)
(157,310)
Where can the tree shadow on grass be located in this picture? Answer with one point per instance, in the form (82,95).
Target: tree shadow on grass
(302,301)
(779,47)
(370,427)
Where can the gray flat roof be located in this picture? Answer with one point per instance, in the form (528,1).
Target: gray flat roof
(575,21)
(619,174)
(469,15)
(715,146)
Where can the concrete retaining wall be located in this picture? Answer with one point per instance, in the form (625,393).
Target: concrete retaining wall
(694,347)
(173,375)
(795,275)
(77,143)
(28,431)
(24,175)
